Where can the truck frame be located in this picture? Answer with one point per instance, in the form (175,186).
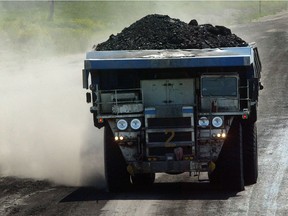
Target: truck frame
(176,111)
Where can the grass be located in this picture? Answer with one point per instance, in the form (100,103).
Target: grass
(76,26)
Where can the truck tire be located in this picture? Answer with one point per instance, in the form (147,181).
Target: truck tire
(117,177)
(145,179)
(250,155)
(253,114)
(228,174)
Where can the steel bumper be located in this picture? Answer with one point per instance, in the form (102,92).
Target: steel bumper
(167,166)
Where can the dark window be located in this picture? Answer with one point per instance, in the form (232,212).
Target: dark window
(219,86)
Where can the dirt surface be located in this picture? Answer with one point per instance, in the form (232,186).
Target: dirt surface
(163,32)
(183,195)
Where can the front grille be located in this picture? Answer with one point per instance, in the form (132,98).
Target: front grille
(161,151)
(162,137)
(169,122)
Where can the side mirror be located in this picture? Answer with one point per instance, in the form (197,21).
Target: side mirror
(88,97)
(261,87)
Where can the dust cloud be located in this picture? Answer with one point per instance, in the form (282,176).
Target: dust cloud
(46,129)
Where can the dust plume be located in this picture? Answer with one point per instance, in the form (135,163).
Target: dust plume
(46,129)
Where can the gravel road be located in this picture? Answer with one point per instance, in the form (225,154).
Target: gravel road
(183,195)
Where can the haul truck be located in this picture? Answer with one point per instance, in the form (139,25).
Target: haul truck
(176,111)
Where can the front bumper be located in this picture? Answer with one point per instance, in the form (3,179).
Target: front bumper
(167,166)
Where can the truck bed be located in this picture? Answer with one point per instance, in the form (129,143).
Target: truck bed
(188,58)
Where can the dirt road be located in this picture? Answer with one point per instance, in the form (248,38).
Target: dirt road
(182,195)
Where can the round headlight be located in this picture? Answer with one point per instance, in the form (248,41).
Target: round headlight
(135,124)
(203,122)
(122,124)
(217,121)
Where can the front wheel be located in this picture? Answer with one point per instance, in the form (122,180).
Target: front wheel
(117,177)
(250,155)
(144,179)
(228,174)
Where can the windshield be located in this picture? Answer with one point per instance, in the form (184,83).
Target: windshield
(219,86)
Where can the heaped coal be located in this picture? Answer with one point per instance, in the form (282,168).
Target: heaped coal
(162,32)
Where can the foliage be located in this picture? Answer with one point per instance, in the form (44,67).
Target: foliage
(76,26)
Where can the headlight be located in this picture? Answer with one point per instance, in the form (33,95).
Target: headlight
(122,124)
(203,122)
(135,124)
(217,121)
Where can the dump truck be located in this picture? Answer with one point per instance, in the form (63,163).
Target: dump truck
(175,111)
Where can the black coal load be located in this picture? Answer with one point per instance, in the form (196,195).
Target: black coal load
(162,32)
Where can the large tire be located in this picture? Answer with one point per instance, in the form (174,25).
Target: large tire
(143,180)
(117,177)
(250,155)
(228,174)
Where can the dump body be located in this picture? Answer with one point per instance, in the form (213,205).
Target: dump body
(171,110)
